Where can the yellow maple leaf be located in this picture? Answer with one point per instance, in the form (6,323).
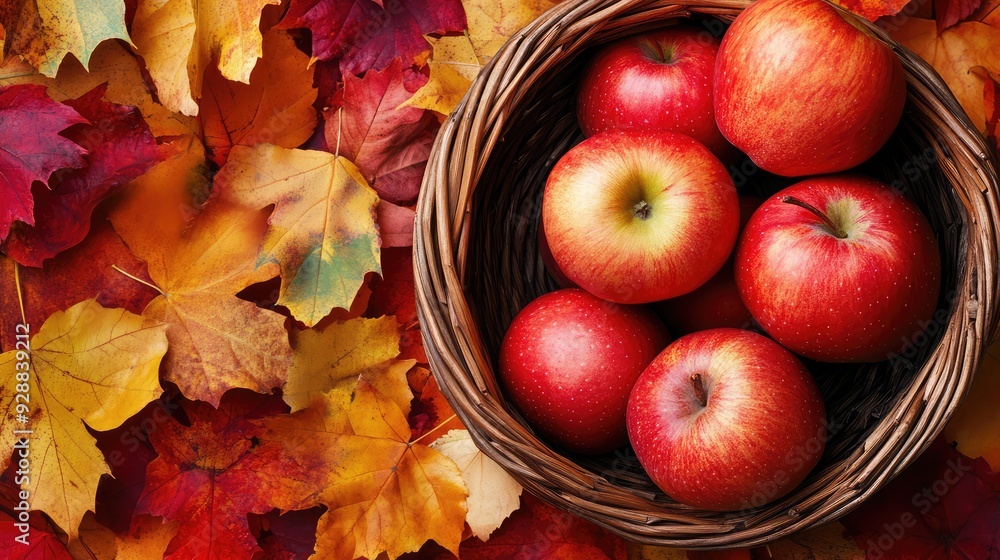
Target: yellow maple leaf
(43,32)
(322,231)
(274,108)
(89,366)
(493,493)
(492,22)
(146,539)
(113,64)
(217,340)
(453,65)
(385,494)
(456,61)
(953,54)
(178,39)
(341,352)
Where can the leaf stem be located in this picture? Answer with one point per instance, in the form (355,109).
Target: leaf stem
(435,428)
(139,280)
(20,297)
(340,126)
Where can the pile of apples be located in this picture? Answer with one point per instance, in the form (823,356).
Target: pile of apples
(838,267)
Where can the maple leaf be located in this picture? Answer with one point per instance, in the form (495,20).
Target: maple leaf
(949,12)
(493,494)
(389,143)
(872,9)
(953,53)
(119,147)
(92,366)
(43,542)
(453,67)
(384,493)
(975,426)
(274,108)
(43,32)
(393,295)
(30,123)
(367,35)
(944,505)
(430,410)
(395,224)
(492,22)
(178,39)
(211,474)
(322,232)
(146,538)
(78,274)
(217,340)
(341,352)
(114,66)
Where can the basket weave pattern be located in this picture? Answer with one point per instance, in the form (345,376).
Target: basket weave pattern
(477,265)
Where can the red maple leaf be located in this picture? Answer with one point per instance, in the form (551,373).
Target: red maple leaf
(388,143)
(30,122)
(950,12)
(43,543)
(211,474)
(128,451)
(119,147)
(945,505)
(366,35)
(393,295)
(78,274)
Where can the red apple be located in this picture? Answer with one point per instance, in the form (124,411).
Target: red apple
(717,302)
(839,269)
(568,362)
(804,90)
(726,419)
(636,216)
(658,80)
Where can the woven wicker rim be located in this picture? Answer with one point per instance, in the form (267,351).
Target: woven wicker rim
(464,367)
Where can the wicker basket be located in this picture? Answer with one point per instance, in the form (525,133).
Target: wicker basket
(477,265)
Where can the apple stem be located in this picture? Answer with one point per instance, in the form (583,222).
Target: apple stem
(826,219)
(699,389)
(642,209)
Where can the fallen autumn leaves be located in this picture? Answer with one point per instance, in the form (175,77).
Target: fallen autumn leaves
(218,210)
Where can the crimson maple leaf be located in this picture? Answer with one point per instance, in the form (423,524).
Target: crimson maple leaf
(389,143)
(368,35)
(211,474)
(945,505)
(30,122)
(119,147)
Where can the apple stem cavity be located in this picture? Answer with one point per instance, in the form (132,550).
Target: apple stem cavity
(837,232)
(642,210)
(658,51)
(699,390)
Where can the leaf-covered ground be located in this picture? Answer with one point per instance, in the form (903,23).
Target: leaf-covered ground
(206,212)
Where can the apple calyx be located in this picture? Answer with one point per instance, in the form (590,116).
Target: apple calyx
(836,231)
(642,210)
(699,390)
